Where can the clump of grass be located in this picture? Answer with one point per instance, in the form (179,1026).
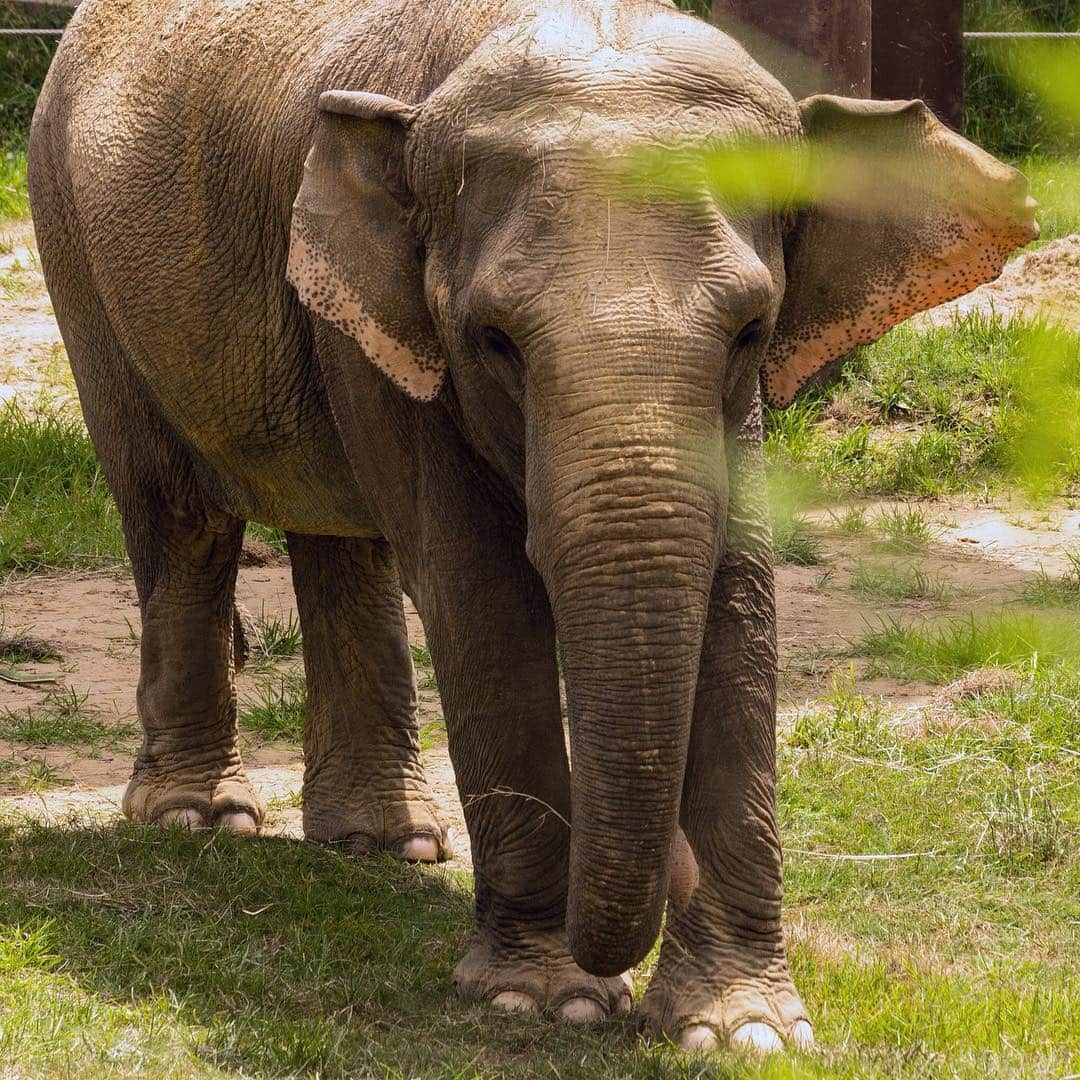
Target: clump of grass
(38,775)
(57,508)
(273,638)
(30,776)
(14,282)
(1024,827)
(424,666)
(791,431)
(845,716)
(904,528)
(277,710)
(292,801)
(852,522)
(1047,590)
(937,652)
(895,582)
(62,719)
(794,542)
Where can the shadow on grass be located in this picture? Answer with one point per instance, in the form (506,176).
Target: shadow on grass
(269,957)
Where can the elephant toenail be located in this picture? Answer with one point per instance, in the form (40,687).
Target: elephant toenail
(182,818)
(756,1037)
(803,1035)
(419,849)
(238,822)
(581,1010)
(697,1038)
(512,1001)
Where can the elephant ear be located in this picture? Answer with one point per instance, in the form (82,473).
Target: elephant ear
(905,215)
(352,251)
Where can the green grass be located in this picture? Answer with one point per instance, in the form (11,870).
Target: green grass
(1055,185)
(851,521)
(57,510)
(1048,590)
(904,528)
(14,202)
(940,651)
(276,711)
(795,542)
(263,533)
(128,950)
(893,581)
(1001,113)
(982,403)
(1041,712)
(424,667)
(29,777)
(272,638)
(61,719)
(56,506)
(978,915)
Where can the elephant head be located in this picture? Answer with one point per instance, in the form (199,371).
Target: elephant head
(599,348)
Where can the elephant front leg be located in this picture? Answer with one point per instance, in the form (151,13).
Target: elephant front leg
(493,645)
(723,976)
(364,784)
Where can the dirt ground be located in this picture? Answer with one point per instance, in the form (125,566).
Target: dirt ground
(983,554)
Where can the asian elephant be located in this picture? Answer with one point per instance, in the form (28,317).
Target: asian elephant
(362,270)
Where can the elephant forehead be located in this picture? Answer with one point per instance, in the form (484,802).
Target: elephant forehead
(584,111)
(603,71)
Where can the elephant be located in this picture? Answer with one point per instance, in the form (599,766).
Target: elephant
(364,271)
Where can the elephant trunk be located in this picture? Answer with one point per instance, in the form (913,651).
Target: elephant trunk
(624,527)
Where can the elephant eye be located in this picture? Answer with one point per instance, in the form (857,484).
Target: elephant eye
(498,345)
(751,334)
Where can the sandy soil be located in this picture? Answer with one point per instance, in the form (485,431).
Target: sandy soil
(983,554)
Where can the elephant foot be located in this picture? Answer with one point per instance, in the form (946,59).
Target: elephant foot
(409,828)
(159,796)
(724,997)
(538,975)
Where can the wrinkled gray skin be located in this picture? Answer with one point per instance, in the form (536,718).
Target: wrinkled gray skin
(530,399)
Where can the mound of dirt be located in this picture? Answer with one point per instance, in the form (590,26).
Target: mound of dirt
(944,715)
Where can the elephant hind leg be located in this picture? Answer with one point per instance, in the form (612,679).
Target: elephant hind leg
(188,770)
(184,559)
(364,784)
(183,555)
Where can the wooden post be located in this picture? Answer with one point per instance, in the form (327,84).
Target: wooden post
(918,52)
(812,46)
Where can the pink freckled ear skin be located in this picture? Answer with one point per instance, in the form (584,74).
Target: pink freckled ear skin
(857,267)
(352,248)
